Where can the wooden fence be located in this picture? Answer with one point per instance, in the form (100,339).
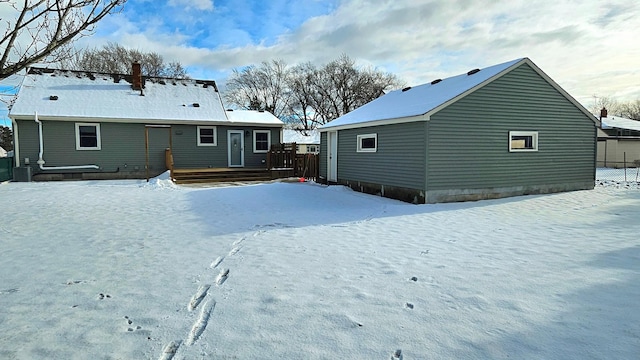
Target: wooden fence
(283,156)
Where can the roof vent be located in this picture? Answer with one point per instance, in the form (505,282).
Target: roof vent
(435,81)
(229,109)
(162,82)
(53,97)
(471,72)
(196,105)
(260,110)
(407,88)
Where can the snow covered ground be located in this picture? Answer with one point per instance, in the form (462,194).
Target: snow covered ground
(130,270)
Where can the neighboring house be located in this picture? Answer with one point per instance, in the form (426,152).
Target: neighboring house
(618,141)
(505,130)
(3,152)
(76,124)
(307,142)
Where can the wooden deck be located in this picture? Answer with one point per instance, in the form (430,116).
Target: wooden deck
(282,162)
(216,175)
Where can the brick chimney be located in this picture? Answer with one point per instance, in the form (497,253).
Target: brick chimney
(603,113)
(136,83)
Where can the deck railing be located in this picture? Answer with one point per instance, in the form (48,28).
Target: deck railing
(284,156)
(281,156)
(168,161)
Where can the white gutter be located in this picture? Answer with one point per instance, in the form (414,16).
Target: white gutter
(40,161)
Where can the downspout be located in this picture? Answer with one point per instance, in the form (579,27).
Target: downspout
(40,161)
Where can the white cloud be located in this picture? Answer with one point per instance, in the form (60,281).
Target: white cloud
(197,4)
(588,48)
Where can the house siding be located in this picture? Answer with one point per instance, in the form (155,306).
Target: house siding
(469,147)
(123,153)
(187,153)
(399,160)
(324,153)
(122,147)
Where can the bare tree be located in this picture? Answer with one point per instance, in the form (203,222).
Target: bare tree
(306,96)
(630,110)
(262,87)
(115,58)
(336,89)
(605,102)
(302,112)
(42,28)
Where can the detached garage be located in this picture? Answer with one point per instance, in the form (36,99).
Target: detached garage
(504,130)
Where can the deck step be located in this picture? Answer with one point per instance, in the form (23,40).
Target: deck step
(195,176)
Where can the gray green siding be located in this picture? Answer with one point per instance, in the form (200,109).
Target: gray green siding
(468,141)
(399,160)
(323,155)
(187,153)
(462,151)
(123,147)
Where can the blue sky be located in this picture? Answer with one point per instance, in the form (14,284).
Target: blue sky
(590,48)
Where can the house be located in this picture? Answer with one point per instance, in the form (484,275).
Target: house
(618,141)
(501,131)
(82,125)
(307,142)
(3,152)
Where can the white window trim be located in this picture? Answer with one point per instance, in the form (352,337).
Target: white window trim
(215,136)
(268,132)
(98,141)
(365,136)
(534,136)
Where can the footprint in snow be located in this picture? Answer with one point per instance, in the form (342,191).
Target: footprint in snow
(216,262)
(397,355)
(222,277)
(130,322)
(198,296)
(170,350)
(235,250)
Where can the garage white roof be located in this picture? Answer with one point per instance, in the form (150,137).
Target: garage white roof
(429,98)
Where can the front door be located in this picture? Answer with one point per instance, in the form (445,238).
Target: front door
(235,140)
(332,156)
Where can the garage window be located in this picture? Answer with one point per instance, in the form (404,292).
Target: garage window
(523,141)
(367,143)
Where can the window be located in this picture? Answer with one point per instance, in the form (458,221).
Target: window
(261,141)
(312,148)
(523,141)
(368,143)
(87,136)
(207,136)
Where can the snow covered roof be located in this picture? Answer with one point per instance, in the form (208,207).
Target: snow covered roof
(427,99)
(253,117)
(294,136)
(76,95)
(3,152)
(616,122)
